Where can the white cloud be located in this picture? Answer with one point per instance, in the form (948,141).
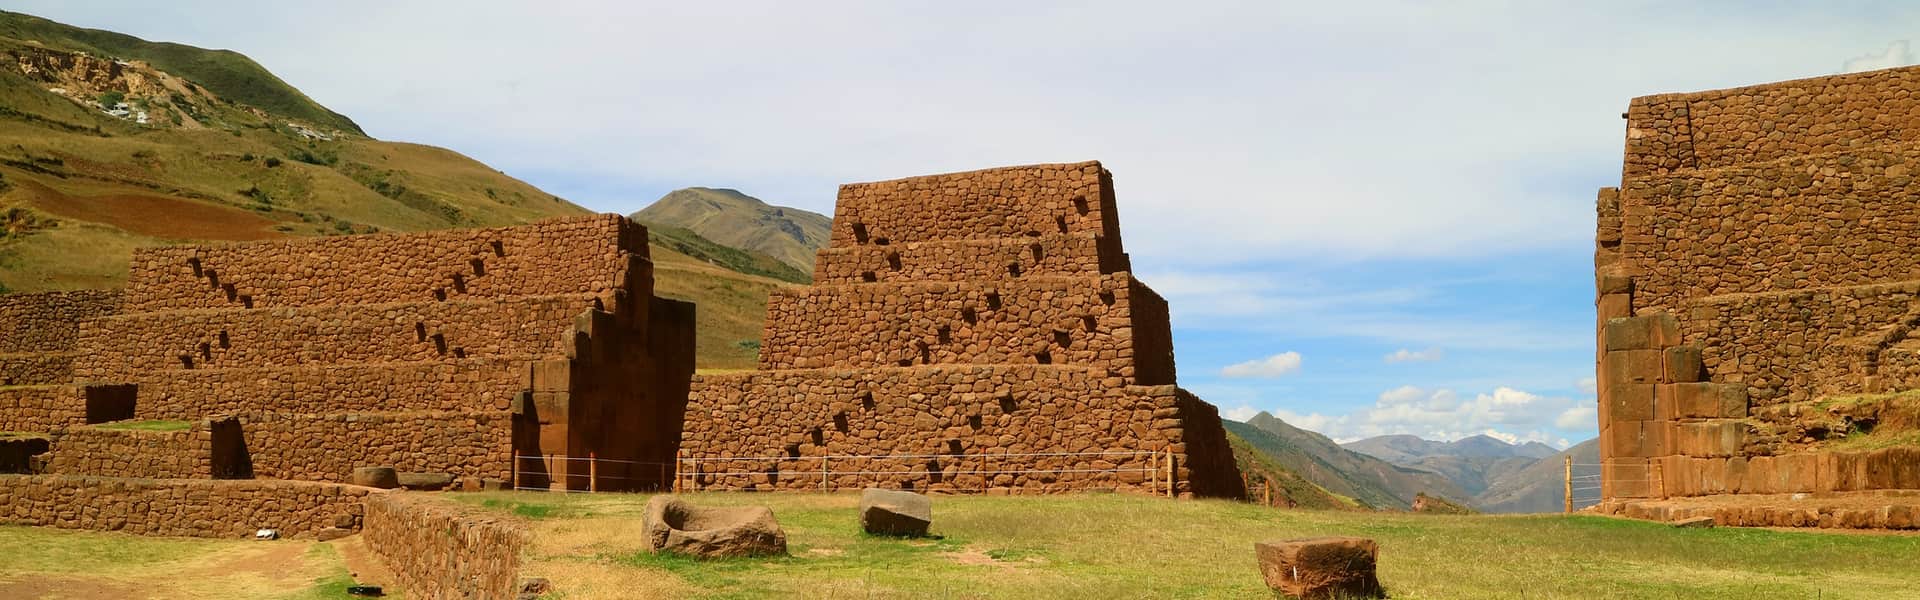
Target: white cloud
(1284,363)
(1239,413)
(1896,55)
(1587,385)
(1442,414)
(1405,355)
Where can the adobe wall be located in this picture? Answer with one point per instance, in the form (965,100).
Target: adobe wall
(972,415)
(1751,264)
(179,507)
(327,447)
(129,347)
(571,256)
(1083,321)
(474,384)
(437,549)
(962,260)
(47,321)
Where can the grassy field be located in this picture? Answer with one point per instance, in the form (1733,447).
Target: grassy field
(54,563)
(1119,546)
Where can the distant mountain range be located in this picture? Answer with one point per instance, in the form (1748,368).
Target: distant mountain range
(1496,476)
(1374,482)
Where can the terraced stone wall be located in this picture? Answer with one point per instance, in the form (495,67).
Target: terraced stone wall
(438,550)
(180,507)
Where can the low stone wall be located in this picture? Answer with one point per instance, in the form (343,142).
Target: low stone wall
(1081,321)
(437,549)
(1831,471)
(1007,202)
(179,507)
(41,408)
(967,428)
(1789,346)
(328,447)
(961,260)
(455,385)
(128,453)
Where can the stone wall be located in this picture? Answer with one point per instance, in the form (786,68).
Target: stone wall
(36,369)
(46,322)
(965,429)
(327,447)
(1751,265)
(179,507)
(186,454)
(961,260)
(41,408)
(1084,321)
(1008,202)
(437,549)
(474,384)
(128,347)
(561,257)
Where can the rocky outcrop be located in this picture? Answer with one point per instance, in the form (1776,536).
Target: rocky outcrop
(674,526)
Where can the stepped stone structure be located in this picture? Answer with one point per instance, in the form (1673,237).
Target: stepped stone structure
(1758,297)
(982,333)
(443,352)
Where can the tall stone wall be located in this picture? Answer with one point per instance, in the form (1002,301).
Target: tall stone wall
(970,332)
(184,454)
(327,447)
(440,550)
(1750,268)
(46,322)
(180,507)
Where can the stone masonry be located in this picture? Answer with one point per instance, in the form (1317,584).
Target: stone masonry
(1754,280)
(980,332)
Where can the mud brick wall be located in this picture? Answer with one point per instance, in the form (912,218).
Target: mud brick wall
(475,384)
(41,408)
(969,416)
(328,447)
(1771,121)
(47,322)
(961,260)
(1066,321)
(578,255)
(439,550)
(179,507)
(132,347)
(1011,202)
(127,453)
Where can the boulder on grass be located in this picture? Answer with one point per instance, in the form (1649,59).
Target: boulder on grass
(894,512)
(673,525)
(1324,567)
(376,477)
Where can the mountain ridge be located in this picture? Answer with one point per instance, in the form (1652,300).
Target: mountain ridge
(732,218)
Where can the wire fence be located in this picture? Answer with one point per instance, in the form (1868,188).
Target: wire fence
(1583,485)
(1008,472)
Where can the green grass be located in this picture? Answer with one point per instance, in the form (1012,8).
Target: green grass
(147,425)
(1123,546)
(92,564)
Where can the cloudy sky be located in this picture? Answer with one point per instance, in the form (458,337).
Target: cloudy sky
(1370,217)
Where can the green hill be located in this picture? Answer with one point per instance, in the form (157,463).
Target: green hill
(733,219)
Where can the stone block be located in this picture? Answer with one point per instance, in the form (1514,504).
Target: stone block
(672,525)
(1706,439)
(552,375)
(1321,568)
(1614,306)
(1631,366)
(1683,365)
(376,477)
(1627,333)
(1627,478)
(1630,402)
(1638,439)
(425,481)
(893,512)
(1707,401)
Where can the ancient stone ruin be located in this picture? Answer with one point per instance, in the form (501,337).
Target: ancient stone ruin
(1757,300)
(968,332)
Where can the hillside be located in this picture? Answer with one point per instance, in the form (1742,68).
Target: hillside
(733,219)
(109,142)
(1541,487)
(1372,481)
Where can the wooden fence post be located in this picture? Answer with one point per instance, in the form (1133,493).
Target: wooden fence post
(825,472)
(1170,484)
(1569,481)
(593,471)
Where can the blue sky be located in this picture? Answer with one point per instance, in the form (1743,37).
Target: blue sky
(1314,186)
